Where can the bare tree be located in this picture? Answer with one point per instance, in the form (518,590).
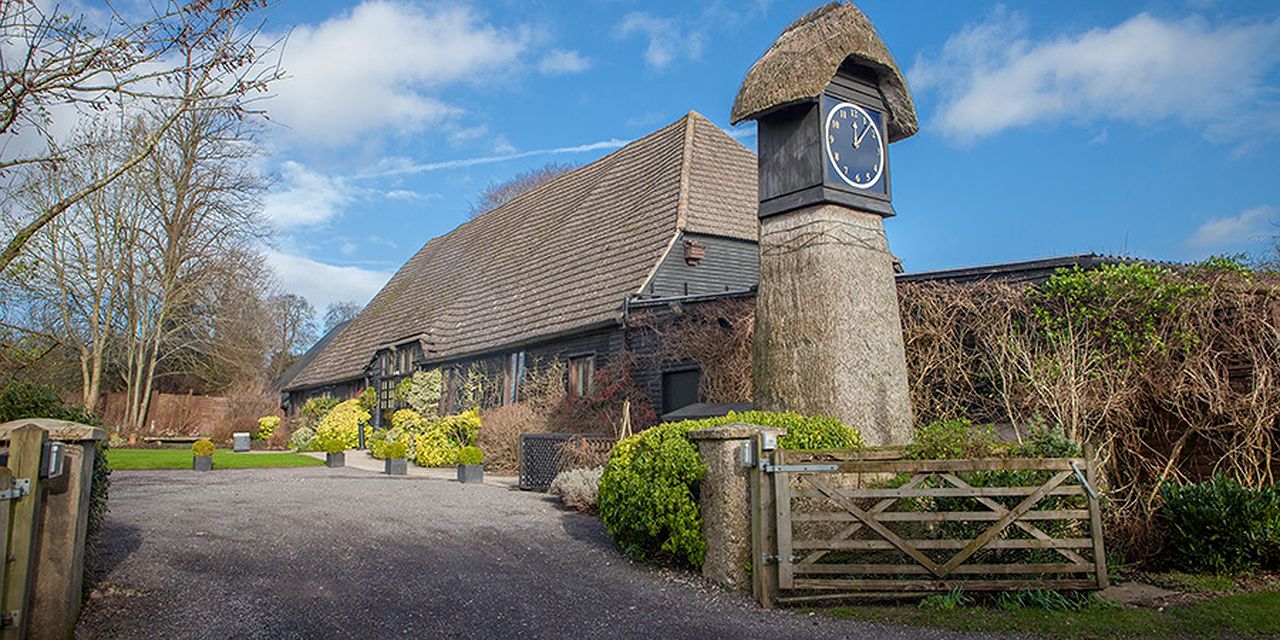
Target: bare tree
(340,312)
(500,193)
(189,56)
(294,324)
(69,272)
(201,196)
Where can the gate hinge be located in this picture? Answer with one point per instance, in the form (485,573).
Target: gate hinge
(21,487)
(797,468)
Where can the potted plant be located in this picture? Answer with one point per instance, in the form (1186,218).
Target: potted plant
(470,465)
(395,463)
(202,455)
(333,445)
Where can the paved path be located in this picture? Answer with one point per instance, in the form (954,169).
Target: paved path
(323,553)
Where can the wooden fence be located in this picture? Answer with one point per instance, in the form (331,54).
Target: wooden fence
(841,524)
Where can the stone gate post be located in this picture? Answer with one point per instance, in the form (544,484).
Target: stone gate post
(725,501)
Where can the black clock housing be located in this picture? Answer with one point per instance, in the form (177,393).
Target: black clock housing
(795,168)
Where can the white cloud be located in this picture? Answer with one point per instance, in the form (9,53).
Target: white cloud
(992,77)
(562,62)
(667,42)
(378,67)
(1234,232)
(307,198)
(321,283)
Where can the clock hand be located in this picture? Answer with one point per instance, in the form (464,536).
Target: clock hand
(857,139)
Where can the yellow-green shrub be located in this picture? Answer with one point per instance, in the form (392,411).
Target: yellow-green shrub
(202,448)
(267,427)
(438,445)
(343,424)
(435,449)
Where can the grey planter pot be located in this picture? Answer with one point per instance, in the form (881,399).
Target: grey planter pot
(471,473)
(396,467)
(335,460)
(240,442)
(202,463)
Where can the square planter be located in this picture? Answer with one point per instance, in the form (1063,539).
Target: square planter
(471,473)
(240,441)
(396,467)
(335,460)
(202,463)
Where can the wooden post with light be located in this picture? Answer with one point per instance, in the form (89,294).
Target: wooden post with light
(828,98)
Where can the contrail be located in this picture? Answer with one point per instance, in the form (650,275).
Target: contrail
(610,144)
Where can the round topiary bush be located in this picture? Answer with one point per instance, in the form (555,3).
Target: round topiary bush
(394,450)
(648,494)
(470,456)
(202,448)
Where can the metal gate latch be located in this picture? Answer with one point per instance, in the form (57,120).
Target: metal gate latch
(21,487)
(797,468)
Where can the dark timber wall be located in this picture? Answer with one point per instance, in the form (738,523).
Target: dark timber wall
(729,265)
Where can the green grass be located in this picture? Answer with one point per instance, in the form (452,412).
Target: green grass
(121,459)
(1244,615)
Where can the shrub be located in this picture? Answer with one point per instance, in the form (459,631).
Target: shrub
(368,399)
(953,439)
(24,400)
(421,391)
(577,488)
(266,427)
(461,429)
(438,445)
(394,450)
(203,447)
(500,431)
(342,425)
(301,439)
(330,441)
(434,449)
(315,409)
(470,456)
(648,492)
(1219,526)
(406,419)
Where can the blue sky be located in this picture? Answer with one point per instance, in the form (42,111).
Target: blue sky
(1145,128)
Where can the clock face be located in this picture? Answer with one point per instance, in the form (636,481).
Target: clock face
(855,148)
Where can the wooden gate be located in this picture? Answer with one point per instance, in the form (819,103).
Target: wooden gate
(841,524)
(27,459)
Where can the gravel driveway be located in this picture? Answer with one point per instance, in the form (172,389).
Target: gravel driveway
(321,553)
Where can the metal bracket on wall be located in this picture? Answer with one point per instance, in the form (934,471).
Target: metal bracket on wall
(21,487)
(8,619)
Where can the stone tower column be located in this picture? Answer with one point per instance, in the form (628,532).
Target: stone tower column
(828,337)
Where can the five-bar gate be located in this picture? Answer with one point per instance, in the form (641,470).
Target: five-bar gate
(846,524)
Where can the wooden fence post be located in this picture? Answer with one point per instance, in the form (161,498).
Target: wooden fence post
(26,447)
(1095,519)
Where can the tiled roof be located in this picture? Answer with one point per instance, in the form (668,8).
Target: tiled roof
(558,258)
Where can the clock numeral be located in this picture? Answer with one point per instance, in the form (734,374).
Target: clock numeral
(837,154)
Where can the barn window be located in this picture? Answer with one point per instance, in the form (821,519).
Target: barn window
(512,376)
(582,372)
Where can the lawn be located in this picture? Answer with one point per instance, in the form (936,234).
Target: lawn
(1247,615)
(120,459)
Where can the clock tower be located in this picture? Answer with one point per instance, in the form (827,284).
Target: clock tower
(828,99)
